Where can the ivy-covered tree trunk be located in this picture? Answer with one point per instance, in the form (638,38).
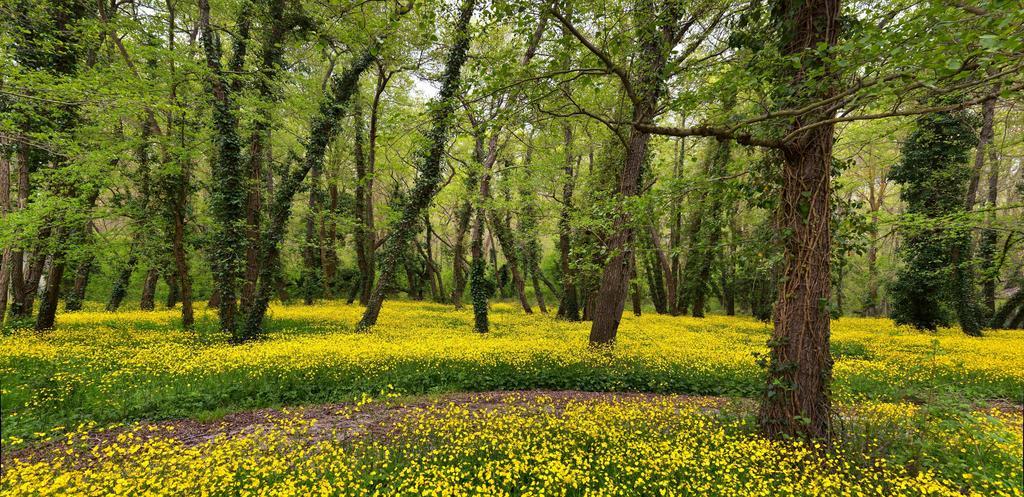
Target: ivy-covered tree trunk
(227,187)
(429,170)
(796,401)
(120,289)
(937,273)
(479,290)
(459,266)
(324,129)
(278,23)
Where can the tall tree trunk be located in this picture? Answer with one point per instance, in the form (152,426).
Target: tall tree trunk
(985,136)
(656,26)
(228,191)
(665,265)
(676,232)
(147,302)
(5,208)
(429,176)
(508,248)
(990,236)
(324,128)
(796,401)
(173,292)
(568,307)
(363,206)
(18,309)
(311,274)
(459,267)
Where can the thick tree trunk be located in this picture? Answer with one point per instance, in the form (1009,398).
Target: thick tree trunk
(796,401)
(147,302)
(429,168)
(228,191)
(477,284)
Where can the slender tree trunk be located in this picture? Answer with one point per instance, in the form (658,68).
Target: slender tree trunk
(18,310)
(796,401)
(508,247)
(5,208)
(990,236)
(147,301)
(568,307)
(429,168)
(363,204)
(635,285)
(666,269)
(656,25)
(324,128)
(988,112)
(459,249)
(311,272)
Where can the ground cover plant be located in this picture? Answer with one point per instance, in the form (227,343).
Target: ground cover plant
(923,413)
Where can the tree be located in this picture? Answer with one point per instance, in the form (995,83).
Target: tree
(429,166)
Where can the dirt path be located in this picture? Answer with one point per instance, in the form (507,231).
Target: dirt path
(344,421)
(347,421)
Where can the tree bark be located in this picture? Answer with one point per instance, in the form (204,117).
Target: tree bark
(147,302)
(990,236)
(5,208)
(796,401)
(656,28)
(429,175)
(18,309)
(363,209)
(568,307)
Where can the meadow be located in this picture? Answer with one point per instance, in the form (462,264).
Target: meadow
(921,413)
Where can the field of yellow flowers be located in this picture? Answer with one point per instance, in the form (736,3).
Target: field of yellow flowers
(915,422)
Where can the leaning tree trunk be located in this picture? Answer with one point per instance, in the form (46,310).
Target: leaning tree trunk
(324,128)
(656,26)
(796,401)
(429,176)
(147,301)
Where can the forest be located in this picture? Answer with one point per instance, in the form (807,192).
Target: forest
(512,247)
